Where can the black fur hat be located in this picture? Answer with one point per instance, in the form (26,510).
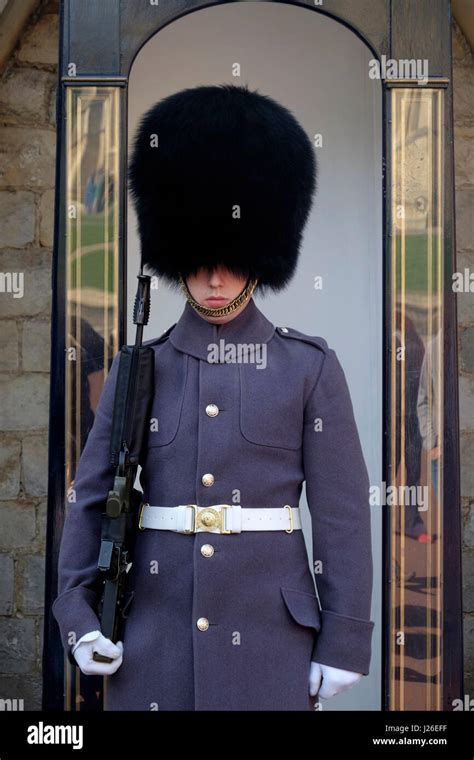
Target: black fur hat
(221,175)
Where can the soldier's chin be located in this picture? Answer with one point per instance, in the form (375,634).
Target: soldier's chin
(215,306)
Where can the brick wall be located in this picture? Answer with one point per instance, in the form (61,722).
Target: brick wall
(27,149)
(463,76)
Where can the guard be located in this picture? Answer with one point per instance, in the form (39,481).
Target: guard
(227,613)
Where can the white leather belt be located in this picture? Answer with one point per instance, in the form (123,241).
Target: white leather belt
(220,518)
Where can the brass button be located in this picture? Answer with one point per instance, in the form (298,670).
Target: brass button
(212,410)
(203,624)
(207,550)
(207,479)
(284,329)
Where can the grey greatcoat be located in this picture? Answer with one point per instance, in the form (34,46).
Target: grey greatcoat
(256,589)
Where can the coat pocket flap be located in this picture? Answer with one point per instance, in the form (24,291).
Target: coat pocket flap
(264,419)
(303,607)
(167,405)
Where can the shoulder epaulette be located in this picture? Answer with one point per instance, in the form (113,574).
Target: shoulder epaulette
(315,340)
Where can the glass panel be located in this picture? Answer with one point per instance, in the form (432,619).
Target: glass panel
(415,493)
(92,283)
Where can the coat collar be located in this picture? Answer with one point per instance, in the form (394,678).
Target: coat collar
(192,334)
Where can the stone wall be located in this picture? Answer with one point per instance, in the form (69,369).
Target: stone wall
(27,170)
(463,76)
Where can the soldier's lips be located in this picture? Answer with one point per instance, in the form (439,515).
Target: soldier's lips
(215,300)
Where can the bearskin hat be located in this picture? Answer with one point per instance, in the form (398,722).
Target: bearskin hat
(221,175)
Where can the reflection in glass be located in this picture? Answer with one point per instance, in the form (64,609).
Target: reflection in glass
(416,399)
(92,276)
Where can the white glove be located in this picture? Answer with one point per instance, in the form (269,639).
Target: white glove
(96,642)
(334,680)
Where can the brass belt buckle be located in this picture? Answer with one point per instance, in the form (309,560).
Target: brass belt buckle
(209,518)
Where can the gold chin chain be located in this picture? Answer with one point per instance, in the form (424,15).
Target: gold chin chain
(221,310)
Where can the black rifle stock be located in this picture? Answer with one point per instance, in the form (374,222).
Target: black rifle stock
(130,424)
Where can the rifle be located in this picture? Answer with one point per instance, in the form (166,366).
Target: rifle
(131,415)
